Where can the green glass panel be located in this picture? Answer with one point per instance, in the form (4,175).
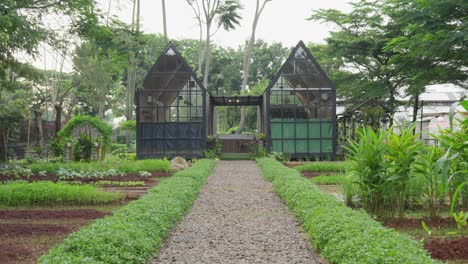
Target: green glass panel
(276,146)
(301,146)
(276,130)
(327,145)
(301,130)
(288,146)
(314,130)
(314,146)
(327,130)
(288,130)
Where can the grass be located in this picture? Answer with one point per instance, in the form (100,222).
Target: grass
(126,166)
(341,234)
(335,179)
(135,233)
(53,194)
(323,166)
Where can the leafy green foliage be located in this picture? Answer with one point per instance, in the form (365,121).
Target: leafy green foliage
(323,166)
(135,233)
(341,234)
(129,124)
(53,194)
(82,148)
(78,121)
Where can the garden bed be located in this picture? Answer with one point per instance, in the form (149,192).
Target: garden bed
(26,234)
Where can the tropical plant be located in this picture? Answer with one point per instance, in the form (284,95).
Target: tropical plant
(433,166)
(367,165)
(401,152)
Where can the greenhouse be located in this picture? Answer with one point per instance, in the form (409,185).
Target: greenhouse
(171,112)
(301,106)
(175,113)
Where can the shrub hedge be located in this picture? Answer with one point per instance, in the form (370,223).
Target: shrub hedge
(51,194)
(341,234)
(323,166)
(135,232)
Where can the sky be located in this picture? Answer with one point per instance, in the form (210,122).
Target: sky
(282,21)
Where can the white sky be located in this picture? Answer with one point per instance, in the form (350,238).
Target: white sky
(281,21)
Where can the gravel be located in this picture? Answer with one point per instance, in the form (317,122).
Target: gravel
(237,218)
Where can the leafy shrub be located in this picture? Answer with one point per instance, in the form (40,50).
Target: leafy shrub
(323,166)
(82,148)
(49,193)
(341,234)
(135,232)
(213,148)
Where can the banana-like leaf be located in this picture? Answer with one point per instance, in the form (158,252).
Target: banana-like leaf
(455,196)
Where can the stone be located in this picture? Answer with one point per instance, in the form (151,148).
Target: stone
(179,163)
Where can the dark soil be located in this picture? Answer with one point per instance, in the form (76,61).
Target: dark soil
(14,253)
(8,230)
(52,214)
(446,249)
(409,223)
(312,174)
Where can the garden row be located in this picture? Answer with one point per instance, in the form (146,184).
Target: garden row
(134,233)
(341,234)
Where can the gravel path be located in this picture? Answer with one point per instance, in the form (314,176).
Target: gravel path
(237,218)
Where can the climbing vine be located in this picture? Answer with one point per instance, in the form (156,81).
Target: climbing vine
(79,121)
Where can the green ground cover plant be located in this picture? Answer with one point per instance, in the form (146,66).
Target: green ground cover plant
(323,166)
(329,179)
(121,183)
(134,233)
(341,234)
(124,166)
(53,194)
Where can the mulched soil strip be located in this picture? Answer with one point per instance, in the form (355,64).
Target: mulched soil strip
(456,249)
(408,223)
(52,214)
(312,174)
(54,178)
(33,229)
(11,253)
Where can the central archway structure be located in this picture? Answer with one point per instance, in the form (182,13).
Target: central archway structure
(175,112)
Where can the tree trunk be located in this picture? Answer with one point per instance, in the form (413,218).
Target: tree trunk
(58,117)
(415,111)
(207,56)
(101,110)
(38,126)
(164,18)
(247,61)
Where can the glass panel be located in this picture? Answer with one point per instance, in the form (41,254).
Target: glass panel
(301,130)
(288,146)
(276,146)
(327,130)
(327,146)
(314,130)
(288,130)
(301,146)
(314,146)
(276,131)
(325,113)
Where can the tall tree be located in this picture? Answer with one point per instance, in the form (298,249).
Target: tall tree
(23,29)
(360,43)
(248,58)
(225,12)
